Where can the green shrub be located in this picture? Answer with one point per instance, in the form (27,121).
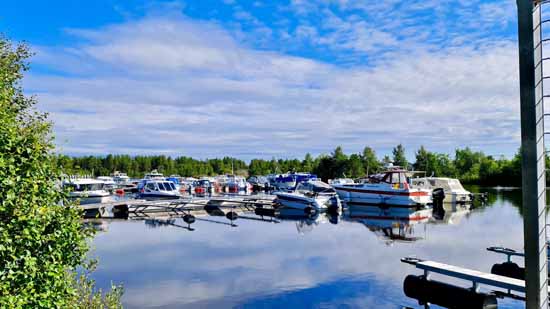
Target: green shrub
(42,239)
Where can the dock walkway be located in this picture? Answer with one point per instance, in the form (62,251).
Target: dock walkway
(474,276)
(121,209)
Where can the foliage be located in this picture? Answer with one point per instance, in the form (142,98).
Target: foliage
(371,164)
(89,297)
(399,157)
(42,240)
(467,165)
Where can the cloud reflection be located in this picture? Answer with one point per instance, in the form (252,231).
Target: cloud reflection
(262,264)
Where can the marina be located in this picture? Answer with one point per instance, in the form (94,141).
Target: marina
(268,260)
(275,155)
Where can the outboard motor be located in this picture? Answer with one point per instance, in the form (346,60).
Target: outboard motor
(509,269)
(438,195)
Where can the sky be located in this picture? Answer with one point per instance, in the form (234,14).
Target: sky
(263,79)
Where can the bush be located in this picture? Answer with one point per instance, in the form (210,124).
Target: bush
(42,239)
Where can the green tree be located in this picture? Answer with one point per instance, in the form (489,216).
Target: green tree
(308,163)
(422,159)
(340,161)
(386,159)
(371,164)
(325,169)
(399,157)
(354,166)
(432,163)
(42,240)
(467,163)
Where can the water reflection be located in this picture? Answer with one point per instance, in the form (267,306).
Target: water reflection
(292,260)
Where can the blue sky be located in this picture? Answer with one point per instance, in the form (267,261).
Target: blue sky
(272,78)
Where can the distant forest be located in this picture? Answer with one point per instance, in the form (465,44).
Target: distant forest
(471,167)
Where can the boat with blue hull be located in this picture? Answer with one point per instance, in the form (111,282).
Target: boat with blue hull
(289,181)
(157,189)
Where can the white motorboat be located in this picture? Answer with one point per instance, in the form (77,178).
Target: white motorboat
(187,183)
(87,190)
(155,189)
(109,183)
(388,189)
(309,196)
(154,174)
(236,184)
(120,178)
(454,191)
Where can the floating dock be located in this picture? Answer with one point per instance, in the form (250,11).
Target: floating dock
(129,208)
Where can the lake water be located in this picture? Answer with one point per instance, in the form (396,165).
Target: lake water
(352,263)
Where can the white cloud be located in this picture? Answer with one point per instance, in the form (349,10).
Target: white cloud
(189,87)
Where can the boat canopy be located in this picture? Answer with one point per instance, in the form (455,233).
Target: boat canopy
(392,177)
(450,184)
(80,185)
(315,186)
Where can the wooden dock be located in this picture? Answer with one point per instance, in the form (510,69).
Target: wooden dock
(131,208)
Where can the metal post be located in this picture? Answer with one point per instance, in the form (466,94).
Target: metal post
(533,153)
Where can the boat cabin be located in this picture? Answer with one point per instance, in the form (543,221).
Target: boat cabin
(393,177)
(156,186)
(83,185)
(448,184)
(154,175)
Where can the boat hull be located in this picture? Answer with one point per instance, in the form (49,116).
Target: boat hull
(298,201)
(92,199)
(378,197)
(156,196)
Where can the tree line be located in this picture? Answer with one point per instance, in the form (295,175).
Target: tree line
(473,167)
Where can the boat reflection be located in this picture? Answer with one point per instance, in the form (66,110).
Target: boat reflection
(390,224)
(451,213)
(306,223)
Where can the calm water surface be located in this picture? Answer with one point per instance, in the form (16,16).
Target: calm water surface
(297,263)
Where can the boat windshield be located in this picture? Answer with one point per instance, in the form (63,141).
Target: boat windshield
(455,185)
(161,186)
(86,187)
(395,177)
(166,186)
(315,187)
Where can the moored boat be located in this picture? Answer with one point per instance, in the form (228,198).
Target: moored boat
(454,191)
(236,184)
(203,186)
(155,189)
(108,183)
(87,190)
(259,183)
(154,174)
(309,196)
(289,181)
(388,189)
(120,178)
